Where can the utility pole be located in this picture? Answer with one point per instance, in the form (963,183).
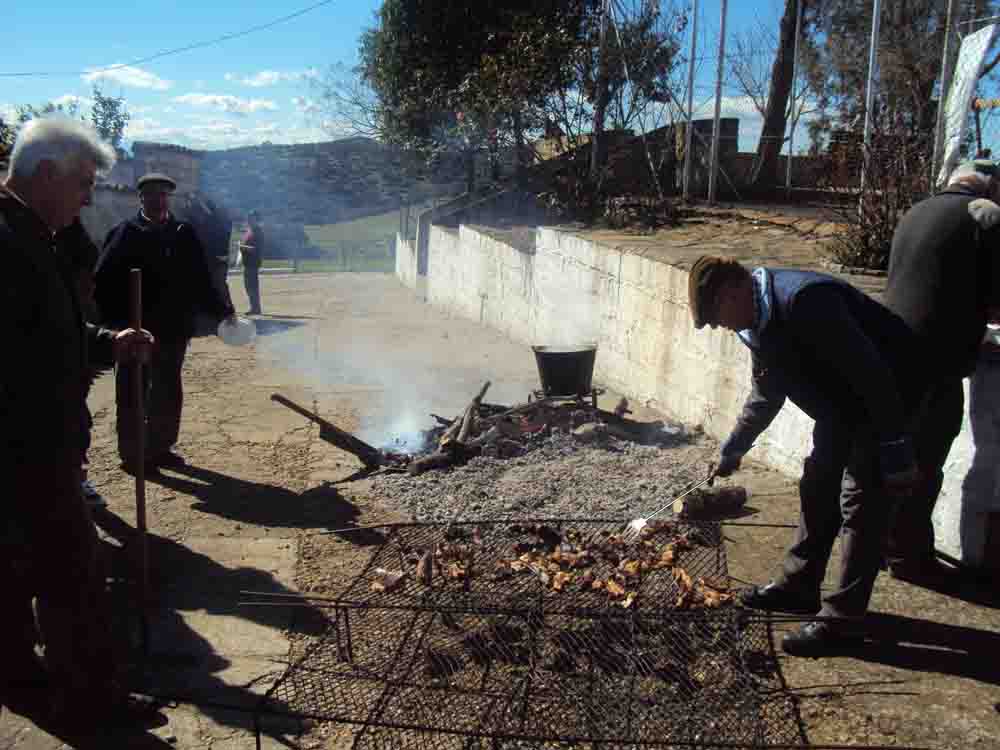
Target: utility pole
(947,70)
(794,122)
(713,174)
(870,91)
(601,105)
(689,133)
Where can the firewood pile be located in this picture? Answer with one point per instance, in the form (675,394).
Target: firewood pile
(497,431)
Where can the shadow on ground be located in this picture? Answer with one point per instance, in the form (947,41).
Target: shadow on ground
(265,504)
(34,703)
(924,646)
(271,325)
(180,664)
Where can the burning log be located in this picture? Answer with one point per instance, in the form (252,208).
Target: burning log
(455,454)
(497,432)
(330,433)
(461,429)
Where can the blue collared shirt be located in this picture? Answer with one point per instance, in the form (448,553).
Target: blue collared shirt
(761,308)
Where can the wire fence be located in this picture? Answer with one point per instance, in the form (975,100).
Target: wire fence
(722,83)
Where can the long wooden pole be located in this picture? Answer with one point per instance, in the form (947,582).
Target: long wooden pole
(713,171)
(139,414)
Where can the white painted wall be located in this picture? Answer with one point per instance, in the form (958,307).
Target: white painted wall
(572,290)
(406,262)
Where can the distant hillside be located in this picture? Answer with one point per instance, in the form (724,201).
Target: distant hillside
(310,183)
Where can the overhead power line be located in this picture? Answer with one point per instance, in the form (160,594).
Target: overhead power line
(166,53)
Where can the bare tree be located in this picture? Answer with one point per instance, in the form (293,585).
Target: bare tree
(348,105)
(750,68)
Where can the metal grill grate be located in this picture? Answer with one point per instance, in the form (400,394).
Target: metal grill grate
(510,659)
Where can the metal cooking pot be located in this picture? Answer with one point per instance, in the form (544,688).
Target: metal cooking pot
(565,370)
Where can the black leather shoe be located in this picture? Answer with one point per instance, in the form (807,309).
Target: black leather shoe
(816,639)
(774,598)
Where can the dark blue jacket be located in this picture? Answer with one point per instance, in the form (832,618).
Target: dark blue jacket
(176,283)
(835,353)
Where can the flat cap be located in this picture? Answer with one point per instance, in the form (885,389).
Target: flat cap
(707,276)
(153,178)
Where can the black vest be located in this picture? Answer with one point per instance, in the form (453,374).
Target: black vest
(806,379)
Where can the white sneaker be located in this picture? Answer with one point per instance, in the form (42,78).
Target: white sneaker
(91,496)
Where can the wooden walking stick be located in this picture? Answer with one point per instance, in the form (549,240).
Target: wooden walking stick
(139,414)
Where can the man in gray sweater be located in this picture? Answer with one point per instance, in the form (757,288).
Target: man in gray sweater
(942,280)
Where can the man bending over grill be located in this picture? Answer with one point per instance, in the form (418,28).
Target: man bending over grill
(840,357)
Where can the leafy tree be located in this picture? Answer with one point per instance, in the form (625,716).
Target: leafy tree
(458,77)
(7,133)
(26,112)
(911,41)
(109,117)
(461,77)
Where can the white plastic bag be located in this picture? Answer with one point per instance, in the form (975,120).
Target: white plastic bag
(238,332)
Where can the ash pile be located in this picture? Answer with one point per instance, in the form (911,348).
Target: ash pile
(504,432)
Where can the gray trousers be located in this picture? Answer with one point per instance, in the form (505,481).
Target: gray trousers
(938,422)
(251,281)
(841,493)
(163,397)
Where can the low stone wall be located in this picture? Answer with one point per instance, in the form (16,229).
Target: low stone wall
(406,261)
(570,290)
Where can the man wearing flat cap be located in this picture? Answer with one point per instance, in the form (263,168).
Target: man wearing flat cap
(843,359)
(176,285)
(942,282)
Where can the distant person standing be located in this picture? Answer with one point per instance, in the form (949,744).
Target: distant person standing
(176,286)
(252,249)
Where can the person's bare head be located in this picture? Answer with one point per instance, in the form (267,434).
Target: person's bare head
(54,166)
(980,176)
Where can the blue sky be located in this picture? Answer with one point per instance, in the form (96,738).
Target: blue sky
(238,92)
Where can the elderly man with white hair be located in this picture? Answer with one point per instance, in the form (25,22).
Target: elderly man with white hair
(48,544)
(943,271)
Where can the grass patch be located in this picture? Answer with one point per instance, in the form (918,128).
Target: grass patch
(335,265)
(369,229)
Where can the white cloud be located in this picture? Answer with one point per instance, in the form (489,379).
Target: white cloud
(69,100)
(126,75)
(150,129)
(226,103)
(305,105)
(272,77)
(732,106)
